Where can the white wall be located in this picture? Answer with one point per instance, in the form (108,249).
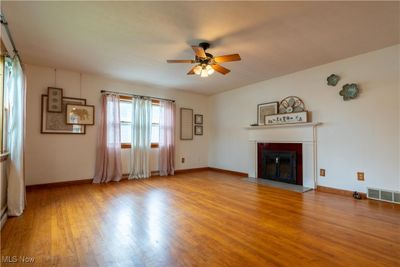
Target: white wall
(356,135)
(55,157)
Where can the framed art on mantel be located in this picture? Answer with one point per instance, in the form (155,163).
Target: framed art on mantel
(266,109)
(55,123)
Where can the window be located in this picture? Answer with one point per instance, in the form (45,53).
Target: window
(126,122)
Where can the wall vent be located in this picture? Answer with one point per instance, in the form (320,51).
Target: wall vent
(384,195)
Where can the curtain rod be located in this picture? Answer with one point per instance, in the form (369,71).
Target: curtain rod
(5,23)
(127,94)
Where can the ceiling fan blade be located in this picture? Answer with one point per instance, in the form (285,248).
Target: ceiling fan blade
(180,61)
(199,51)
(227,58)
(191,71)
(220,69)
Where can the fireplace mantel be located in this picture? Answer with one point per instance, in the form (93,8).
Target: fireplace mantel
(306,124)
(304,133)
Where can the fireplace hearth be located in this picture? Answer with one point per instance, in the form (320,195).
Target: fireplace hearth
(280,162)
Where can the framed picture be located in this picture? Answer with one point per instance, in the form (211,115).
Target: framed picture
(186,124)
(54,123)
(54,99)
(266,109)
(80,114)
(198,119)
(294,117)
(198,130)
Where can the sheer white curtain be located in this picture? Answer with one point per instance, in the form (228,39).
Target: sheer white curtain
(14,101)
(108,159)
(141,138)
(166,161)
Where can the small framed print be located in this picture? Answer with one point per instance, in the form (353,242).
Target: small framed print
(80,114)
(266,109)
(54,99)
(198,130)
(54,122)
(198,119)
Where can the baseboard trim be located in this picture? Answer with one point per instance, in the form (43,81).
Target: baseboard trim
(57,184)
(241,174)
(191,170)
(336,191)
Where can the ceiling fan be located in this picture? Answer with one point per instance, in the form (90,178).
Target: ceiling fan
(206,63)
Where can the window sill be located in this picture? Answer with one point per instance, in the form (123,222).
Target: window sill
(126,145)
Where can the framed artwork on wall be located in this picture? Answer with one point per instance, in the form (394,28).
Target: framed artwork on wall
(198,130)
(266,109)
(198,119)
(54,99)
(186,124)
(80,114)
(55,123)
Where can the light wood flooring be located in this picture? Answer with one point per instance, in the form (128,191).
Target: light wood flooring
(204,218)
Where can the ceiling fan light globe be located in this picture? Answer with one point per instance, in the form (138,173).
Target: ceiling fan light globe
(197,70)
(204,73)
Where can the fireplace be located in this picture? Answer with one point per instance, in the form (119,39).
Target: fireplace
(280,162)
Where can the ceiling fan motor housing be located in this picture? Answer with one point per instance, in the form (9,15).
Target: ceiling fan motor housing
(204,45)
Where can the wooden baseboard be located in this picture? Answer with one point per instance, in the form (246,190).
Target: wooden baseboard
(241,174)
(191,170)
(336,191)
(49,185)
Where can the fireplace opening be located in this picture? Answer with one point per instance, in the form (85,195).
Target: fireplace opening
(279,166)
(280,162)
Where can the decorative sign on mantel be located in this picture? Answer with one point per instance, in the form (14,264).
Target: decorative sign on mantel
(291,110)
(295,117)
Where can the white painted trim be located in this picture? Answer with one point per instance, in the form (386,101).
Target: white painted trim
(288,133)
(306,124)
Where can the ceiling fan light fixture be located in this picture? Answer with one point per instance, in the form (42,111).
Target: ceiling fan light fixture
(209,69)
(206,63)
(198,69)
(204,73)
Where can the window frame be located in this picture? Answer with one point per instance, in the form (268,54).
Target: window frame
(129,99)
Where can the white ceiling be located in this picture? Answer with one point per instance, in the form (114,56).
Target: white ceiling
(131,40)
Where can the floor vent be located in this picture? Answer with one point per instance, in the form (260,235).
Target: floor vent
(384,195)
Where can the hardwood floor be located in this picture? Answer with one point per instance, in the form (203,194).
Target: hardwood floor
(204,218)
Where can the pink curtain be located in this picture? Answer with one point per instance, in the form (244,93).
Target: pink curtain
(166,162)
(108,159)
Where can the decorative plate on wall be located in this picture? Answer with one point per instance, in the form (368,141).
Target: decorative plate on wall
(349,91)
(291,104)
(333,79)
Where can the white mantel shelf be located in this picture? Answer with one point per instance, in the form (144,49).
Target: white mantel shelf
(306,124)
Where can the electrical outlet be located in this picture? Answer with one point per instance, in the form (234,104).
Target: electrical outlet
(321,172)
(183,160)
(360,176)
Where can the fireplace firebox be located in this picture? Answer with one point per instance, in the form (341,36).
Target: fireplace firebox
(279,166)
(280,162)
